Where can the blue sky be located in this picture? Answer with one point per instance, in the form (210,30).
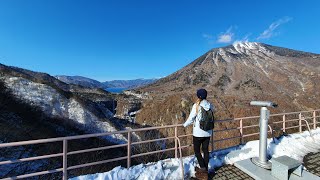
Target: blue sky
(117,39)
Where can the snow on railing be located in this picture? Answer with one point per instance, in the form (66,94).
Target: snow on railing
(286,124)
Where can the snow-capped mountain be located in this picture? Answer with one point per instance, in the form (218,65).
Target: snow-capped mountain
(234,75)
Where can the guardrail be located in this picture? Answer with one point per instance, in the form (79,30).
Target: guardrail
(287,121)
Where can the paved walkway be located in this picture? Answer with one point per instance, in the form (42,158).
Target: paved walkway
(311,161)
(230,172)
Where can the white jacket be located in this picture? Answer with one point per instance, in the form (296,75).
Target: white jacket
(195,117)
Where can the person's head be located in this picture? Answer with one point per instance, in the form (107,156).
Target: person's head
(202,94)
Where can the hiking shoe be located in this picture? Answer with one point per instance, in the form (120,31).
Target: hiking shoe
(201,173)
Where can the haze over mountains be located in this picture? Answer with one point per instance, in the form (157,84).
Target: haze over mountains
(91,83)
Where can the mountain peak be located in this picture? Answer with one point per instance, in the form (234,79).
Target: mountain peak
(243,62)
(233,76)
(239,50)
(246,44)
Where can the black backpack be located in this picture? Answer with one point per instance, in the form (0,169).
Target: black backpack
(207,121)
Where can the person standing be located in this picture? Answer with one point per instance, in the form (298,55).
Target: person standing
(201,138)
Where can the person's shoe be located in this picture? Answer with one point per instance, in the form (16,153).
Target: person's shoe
(201,173)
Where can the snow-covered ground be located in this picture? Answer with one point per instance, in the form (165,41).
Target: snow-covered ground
(56,105)
(293,145)
(140,96)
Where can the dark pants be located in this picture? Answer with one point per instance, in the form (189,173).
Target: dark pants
(197,142)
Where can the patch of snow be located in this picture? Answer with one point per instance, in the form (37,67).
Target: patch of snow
(302,86)
(134,113)
(294,145)
(263,70)
(222,52)
(207,57)
(296,80)
(243,47)
(250,48)
(140,96)
(245,63)
(135,137)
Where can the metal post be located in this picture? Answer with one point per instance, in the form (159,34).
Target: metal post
(241,130)
(314,120)
(64,161)
(129,150)
(181,161)
(263,134)
(262,160)
(300,123)
(176,142)
(284,123)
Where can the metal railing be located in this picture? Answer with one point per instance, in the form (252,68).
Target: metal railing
(286,122)
(181,160)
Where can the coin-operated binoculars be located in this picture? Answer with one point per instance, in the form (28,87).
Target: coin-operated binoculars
(262,160)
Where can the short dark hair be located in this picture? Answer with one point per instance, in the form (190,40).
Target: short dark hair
(202,93)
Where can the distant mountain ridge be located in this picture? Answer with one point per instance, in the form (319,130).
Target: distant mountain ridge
(91,83)
(129,84)
(79,80)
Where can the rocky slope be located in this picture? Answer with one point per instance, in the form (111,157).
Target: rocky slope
(234,75)
(36,105)
(88,110)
